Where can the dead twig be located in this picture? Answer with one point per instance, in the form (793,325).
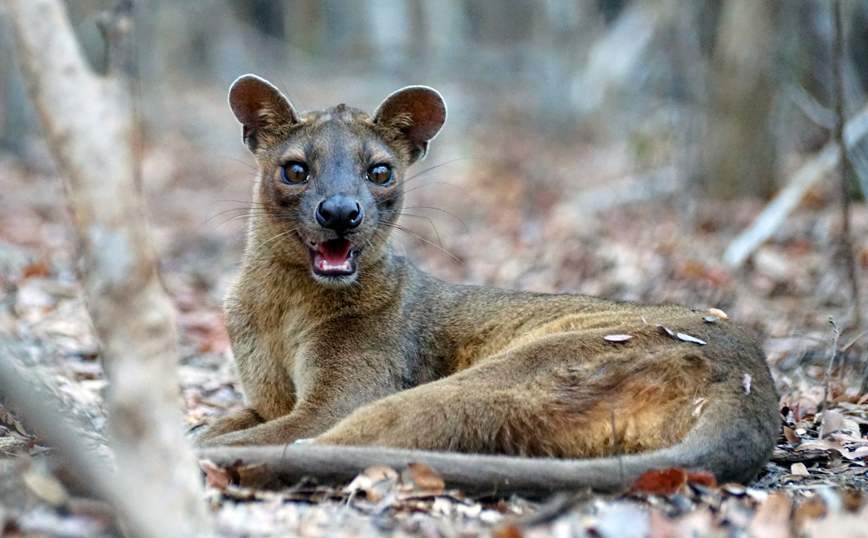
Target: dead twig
(810,107)
(828,381)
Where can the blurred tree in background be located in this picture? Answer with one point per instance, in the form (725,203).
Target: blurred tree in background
(727,85)
(739,148)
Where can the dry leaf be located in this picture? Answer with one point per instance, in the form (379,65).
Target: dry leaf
(665,482)
(791,435)
(851,424)
(848,438)
(215,476)
(45,486)
(670,332)
(378,473)
(797,413)
(372,475)
(735,489)
(832,421)
(858,454)
(799,469)
(833,444)
(209,336)
(670,481)
(617,337)
(702,478)
(374,482)
(819,444)
(6,419)
(691,339)
(718,312)
(425,478)
(508,531)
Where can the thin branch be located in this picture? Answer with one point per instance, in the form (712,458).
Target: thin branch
(846,245)
(827,391)
(774,214)
(816,112)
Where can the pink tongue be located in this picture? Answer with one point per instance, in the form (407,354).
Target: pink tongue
(334,255)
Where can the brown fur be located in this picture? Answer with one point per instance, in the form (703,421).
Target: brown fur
(397,358)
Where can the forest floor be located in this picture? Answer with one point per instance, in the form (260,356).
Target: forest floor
(592,220)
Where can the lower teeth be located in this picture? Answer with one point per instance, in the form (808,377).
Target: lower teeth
(326,266)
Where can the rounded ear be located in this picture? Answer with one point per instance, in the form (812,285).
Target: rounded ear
(418,112)
(259,106)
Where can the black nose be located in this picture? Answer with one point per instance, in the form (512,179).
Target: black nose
(339,213)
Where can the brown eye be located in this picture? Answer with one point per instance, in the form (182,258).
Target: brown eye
(294,173)
(380,174)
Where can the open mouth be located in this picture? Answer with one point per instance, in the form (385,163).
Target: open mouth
(333,258)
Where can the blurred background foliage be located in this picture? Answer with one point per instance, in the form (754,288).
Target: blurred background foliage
(725,88)
(703,98)
(721,90)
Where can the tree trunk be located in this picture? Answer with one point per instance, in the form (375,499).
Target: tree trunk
(90,126)
(738,147)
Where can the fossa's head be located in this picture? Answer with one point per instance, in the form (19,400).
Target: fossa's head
(330,182)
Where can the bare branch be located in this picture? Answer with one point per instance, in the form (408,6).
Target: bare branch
(789,197)
(846,245)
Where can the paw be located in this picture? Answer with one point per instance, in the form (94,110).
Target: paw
(233,422)
(269,433)
(226,439)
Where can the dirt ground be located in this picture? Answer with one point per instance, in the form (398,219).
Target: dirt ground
(501,207)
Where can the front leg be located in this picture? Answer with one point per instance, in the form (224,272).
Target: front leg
(304,421)
(331,391)
(240,419)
